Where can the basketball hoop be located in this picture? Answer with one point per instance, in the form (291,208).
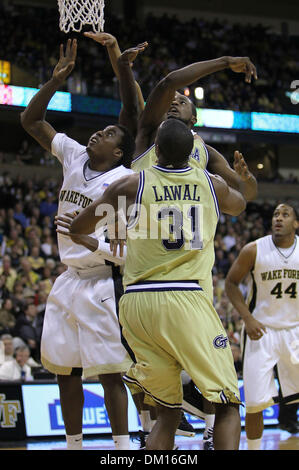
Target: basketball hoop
(76,13)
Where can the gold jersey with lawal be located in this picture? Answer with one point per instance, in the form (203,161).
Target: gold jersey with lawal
(167,317)
(174,220)
(198,159)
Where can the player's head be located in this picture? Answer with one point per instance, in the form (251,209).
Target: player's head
(173,143)
(284,221)
(183,109)
(114,144)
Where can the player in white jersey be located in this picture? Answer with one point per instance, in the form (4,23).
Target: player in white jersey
(271,317)
(81,331)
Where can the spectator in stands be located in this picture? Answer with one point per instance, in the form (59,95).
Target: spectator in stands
(26,274)
(13,238)
(17,369)
(16,251)
(230,238)
(7,317)
(19,215)
(4,292)
(48,207)
(221,261)
(47,243)
(9,274)
(46,283)
(36,261)
(33,238)
(33,227)
(18,297)
(41,302)
(55,253)
(29,328)
(6,348)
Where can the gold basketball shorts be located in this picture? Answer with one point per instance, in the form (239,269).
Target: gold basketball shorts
(173,326)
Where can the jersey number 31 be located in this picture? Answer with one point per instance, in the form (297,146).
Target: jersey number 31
(177,237)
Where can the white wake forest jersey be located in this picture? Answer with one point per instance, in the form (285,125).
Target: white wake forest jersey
(274,296)
(79,191)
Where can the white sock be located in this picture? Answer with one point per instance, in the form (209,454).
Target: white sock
(254,444)
(74,442)
(209,421)
(145,419)
(121,442)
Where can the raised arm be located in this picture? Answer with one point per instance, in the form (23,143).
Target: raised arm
(114,251)
(114,53)
(161,97)
(107,206)
(33,118)
(230,201)
(110,42)
(238,271)
(238,178)
(130,111)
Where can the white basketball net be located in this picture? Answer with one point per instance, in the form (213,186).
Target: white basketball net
(75,13)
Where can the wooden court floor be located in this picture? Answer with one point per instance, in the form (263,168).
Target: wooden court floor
(273,439)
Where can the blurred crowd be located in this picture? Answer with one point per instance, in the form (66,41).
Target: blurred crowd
(30,263)
(172,44)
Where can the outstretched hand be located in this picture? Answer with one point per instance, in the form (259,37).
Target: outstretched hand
(129,55)
(66,61)
(243,65)
(105,39)
(240,166)
(64,222)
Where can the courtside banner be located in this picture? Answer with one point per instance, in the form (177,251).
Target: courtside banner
(43,415)
(12,421)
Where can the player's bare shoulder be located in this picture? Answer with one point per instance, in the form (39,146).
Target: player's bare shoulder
(248,254)
(250,247)
(129,184)
(197,137)
(230,201)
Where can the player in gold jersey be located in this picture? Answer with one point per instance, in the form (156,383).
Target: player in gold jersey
(167,318)
(166,102)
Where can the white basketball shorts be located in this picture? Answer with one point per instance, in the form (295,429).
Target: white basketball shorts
(276,347)
(81,328)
